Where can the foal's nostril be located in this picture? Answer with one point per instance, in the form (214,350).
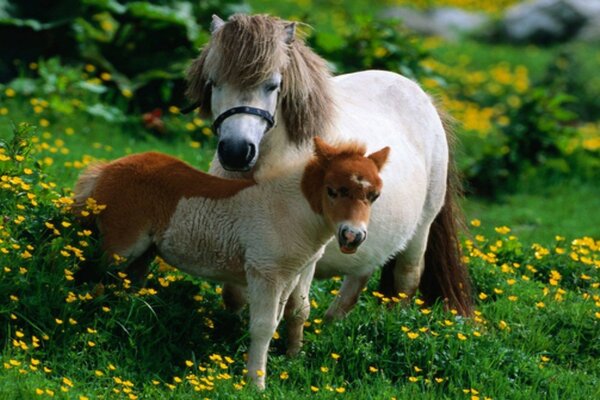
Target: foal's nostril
(350,237)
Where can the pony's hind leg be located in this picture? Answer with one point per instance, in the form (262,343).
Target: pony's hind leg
(402,274)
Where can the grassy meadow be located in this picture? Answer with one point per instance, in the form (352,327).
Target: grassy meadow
(533,253)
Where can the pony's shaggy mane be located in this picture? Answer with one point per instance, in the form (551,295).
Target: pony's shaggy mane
(245,51)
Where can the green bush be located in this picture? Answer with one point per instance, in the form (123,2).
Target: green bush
(144,45)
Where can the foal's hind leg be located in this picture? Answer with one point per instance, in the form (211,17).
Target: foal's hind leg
(402,274)
(234,297)
(297,310)
(137,269)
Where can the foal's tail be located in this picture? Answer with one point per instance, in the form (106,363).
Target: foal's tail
(445,276)
(84,188)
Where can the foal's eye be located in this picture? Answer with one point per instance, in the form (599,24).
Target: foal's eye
(373,196)
(331,192)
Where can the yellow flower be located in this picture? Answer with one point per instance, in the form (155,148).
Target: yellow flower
(340,390)
(412,335)
(503,230)
(314,389)
(482,296)
(461,336)
(476,223)
(335,356)
(10,92)
(373,369)
(284,375)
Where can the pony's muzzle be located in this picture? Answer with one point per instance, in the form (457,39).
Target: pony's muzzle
(350,237)
(236,155)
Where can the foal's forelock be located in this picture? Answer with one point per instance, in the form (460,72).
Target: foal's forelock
(248,50)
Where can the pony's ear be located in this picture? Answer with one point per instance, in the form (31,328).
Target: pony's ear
(290,32)
(380,157)
(216,24)
(323,151)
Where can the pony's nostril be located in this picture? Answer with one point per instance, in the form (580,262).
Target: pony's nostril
(236,155)
(251,152)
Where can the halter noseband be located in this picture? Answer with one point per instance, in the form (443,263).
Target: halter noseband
(244,110)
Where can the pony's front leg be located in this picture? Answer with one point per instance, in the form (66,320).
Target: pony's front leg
(347,297)
(297,311)
(264,298)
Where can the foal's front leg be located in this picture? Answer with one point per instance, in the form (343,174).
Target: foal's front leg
(264,298)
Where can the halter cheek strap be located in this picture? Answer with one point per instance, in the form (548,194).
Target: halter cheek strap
(244,110)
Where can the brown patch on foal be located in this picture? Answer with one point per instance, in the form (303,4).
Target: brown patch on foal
(142,192)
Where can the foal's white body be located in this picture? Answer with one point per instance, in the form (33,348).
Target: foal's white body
(379,109)
(224,239)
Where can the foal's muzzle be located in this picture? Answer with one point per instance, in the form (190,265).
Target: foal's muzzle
(349,238)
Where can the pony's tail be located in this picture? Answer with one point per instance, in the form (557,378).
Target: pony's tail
(445,275)
(84,188)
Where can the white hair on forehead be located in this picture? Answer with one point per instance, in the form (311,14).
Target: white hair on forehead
(362,182)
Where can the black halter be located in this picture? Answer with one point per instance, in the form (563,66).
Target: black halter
(244,110)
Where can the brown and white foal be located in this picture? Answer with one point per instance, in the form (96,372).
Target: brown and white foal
(261,235)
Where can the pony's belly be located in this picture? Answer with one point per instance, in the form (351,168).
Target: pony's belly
(394,219)
(369,256)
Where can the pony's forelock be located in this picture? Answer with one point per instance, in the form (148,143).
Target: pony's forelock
(246,51)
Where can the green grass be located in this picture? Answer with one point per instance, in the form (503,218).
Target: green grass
(103,342)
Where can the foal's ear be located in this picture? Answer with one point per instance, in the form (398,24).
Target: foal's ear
(216,24)
(290,32)
(380,157)
(323,151)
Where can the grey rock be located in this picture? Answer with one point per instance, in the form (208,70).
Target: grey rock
(548,20)
(447,22)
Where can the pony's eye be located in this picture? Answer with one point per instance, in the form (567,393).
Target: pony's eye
(373,196)
(331,192)
(272,87)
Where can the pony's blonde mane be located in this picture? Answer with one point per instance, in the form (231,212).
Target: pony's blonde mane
(245,51)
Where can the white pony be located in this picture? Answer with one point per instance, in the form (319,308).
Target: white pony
(269,94)
(265,236)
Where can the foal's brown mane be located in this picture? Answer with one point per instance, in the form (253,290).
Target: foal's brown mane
(246,51)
